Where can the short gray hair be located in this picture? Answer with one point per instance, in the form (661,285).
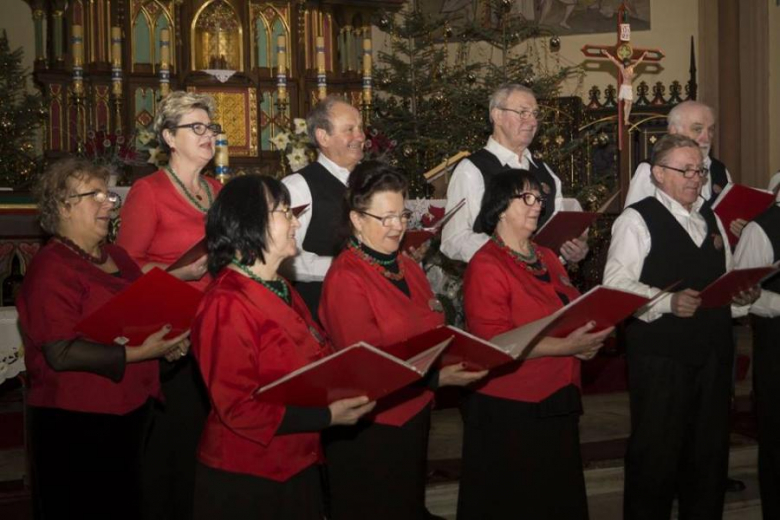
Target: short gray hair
(667,144)
(675,116)
(501,94)
(175,106)
(319,117)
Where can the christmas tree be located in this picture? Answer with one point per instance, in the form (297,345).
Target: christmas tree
(433,104)
(21,113)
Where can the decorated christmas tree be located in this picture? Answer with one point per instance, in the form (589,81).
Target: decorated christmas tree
(21,113)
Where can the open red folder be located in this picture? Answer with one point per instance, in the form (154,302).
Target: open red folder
(564,226)
(414,238)
(724,289)
(149,303)
(739,201)
(194,253)
(358,370)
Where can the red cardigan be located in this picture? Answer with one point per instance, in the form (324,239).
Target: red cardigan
(359,304)
(500,295)
(244,337)
(59,290)
(159,224)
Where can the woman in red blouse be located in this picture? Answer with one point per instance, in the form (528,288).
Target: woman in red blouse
(521,455)
(372,293)
(164,215)
(257,460)
(87,401)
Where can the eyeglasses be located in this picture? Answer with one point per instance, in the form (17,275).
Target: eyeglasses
(689,173)
(99,196)
(525,113)
(200,128)
(402,219)
(530,198)
(288,213)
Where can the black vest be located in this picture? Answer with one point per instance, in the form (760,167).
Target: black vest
(718,178)
(674,256)
(327,195)
(769,221)
(489,165)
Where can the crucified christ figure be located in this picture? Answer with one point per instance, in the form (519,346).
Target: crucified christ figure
(627,74)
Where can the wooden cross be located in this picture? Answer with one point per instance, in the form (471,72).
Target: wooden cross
(622,50)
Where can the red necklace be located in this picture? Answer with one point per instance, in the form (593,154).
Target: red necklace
(374,263)
(532,262)
(70,244)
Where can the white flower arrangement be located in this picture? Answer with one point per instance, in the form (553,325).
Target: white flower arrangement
(296,148)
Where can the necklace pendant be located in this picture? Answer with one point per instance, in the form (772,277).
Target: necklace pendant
(435,305)
(198,197)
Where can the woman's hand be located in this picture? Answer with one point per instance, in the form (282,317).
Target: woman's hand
(178,351)
(194,271)
(583,344)
(154,346)
(348,411)
(457,375)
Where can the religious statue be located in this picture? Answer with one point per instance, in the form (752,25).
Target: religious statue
(627,74)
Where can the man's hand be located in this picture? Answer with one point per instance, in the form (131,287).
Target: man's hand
(747,296)
(685,303)
(573,251)
(737,225)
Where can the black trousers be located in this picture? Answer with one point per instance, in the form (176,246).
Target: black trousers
(519,463)
(236,496)
(766,388)
(679,444)
(377,471)
(169,459)
(86,465)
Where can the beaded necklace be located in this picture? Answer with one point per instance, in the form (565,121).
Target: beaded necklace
(70,244)
(284,293)
(379,266)
(203,184)
(531,262)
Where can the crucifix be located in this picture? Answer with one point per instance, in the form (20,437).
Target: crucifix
(625,57)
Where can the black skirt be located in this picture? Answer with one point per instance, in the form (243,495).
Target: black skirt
(86,465)
(377,471)
(237,496)
(522,460)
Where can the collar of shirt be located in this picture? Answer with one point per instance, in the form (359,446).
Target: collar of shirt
(507,156)
(707,162)
(675,207)
(342,174)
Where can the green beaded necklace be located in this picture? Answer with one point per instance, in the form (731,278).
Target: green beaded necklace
(284,294)
(203,184)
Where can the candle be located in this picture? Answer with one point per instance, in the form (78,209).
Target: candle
(165,48)
(321,54)
(221,158)
(116,47)
(281,44)
(367,57)
(78,45)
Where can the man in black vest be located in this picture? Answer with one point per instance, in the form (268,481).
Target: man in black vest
(759,246)
(513,112)
(337,130)
(697,121)
(679,355)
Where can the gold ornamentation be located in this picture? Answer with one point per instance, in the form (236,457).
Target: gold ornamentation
(237,113)
(217,37)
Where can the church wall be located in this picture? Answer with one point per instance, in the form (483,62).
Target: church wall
(774,86)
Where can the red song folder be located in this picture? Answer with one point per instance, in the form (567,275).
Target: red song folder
(739,201)
(358,370)
(144,307)
(724,289)
(414,238)
(564,226)
(193,254)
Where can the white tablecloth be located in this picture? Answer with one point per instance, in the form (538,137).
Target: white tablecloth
(11,351)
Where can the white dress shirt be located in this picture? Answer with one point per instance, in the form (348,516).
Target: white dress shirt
(631,243)
(307,266)
(755,250)
(641,185)
(458,239)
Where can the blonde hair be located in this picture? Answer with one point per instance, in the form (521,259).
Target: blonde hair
(175,106)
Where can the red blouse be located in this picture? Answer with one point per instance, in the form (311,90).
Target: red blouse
(359,304)
(59,290)
(499,295)
(159,224)
(245,337)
